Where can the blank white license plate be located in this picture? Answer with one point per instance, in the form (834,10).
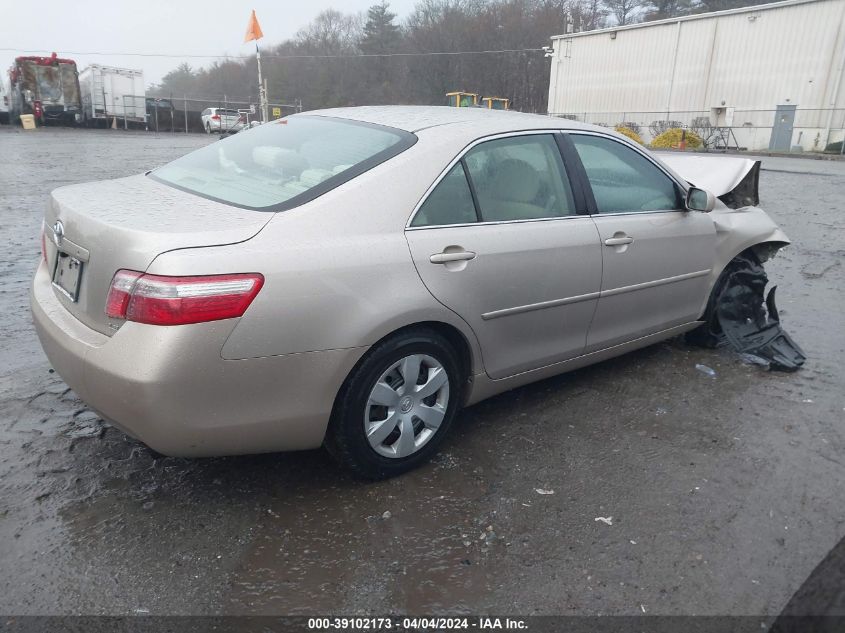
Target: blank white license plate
(67,274)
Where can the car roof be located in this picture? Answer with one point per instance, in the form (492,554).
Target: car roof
(416,118)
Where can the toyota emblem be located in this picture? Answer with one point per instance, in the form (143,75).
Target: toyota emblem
(58,232)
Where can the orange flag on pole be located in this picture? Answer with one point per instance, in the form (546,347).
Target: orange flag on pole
(253,29)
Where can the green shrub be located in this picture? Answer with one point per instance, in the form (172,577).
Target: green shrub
(672,138)
(631,134)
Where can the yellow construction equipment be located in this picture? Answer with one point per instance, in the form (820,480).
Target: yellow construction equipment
(462,99)
(472,100)
(495,103)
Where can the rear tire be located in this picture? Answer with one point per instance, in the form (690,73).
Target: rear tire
(377,433)
(207,128)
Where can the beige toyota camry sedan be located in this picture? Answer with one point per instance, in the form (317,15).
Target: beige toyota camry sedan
(353,277)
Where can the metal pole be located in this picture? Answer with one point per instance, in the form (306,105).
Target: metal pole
(186,113)
(840,70)
(674,68)
(262,93)
(842,147)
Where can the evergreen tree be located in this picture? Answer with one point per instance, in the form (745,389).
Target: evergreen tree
(182,80)
(381,35)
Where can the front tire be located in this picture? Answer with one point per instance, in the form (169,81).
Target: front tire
(397,405)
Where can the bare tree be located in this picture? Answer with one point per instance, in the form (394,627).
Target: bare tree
(324,67)
(332,32)
(662,9)
(625,11)
(704,6)
(588,15)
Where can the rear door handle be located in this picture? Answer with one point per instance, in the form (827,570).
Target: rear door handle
(618,241)
(445,258)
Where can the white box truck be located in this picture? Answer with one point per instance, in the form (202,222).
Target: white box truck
(5,100)
(111,93)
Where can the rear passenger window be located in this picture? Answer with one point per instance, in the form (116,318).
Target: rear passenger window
(624,180)
(449,203)
(520,178)
(284,162)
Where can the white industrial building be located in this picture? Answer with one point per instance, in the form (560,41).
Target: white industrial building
(767,76)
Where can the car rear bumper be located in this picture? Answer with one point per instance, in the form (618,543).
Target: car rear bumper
(170,388)
(218,126)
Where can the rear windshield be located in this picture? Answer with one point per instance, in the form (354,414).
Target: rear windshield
(228,112)
(285,163)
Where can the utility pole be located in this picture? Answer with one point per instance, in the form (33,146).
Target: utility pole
(262,88)
(254,32)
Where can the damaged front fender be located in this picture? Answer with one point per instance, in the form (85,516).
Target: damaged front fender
(741,230)
(738,311)
(739,222)
(750,324)
(747,321)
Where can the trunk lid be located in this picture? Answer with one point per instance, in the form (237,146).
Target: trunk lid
(229,119)
(127,223)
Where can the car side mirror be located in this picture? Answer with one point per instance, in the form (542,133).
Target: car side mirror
(700,200)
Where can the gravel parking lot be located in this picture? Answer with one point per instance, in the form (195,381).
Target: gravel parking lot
(725,493)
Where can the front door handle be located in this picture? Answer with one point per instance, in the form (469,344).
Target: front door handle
(618,241)
(445,258)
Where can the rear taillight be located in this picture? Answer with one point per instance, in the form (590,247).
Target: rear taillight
(120,293)
(162,300)
(43,242)
(215,117)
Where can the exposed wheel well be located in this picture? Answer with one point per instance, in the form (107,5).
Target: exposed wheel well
(457,340)
(705,335)
(765,250)
(449,332)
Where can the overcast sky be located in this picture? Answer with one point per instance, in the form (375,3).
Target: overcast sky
(179,27)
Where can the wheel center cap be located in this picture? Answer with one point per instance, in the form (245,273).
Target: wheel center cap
(406,404)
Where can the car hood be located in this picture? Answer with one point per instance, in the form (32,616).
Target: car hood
(720,175)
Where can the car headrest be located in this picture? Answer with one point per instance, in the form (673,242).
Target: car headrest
(515,180)
(278,159)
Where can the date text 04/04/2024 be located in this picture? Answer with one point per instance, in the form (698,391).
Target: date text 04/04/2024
(416,623)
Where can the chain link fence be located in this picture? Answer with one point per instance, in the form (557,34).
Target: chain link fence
(813,130)
(184,114)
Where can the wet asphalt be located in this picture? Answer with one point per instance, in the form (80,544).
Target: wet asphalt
(720,495)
